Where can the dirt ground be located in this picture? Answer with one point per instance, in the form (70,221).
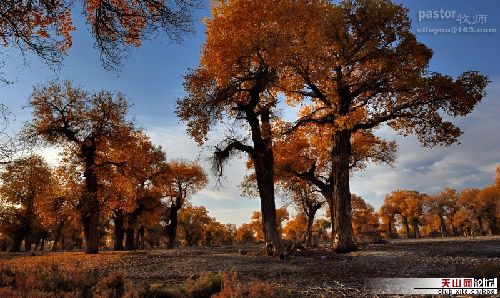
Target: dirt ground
(315,273)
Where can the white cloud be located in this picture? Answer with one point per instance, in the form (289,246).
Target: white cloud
(469,164)
(223,199)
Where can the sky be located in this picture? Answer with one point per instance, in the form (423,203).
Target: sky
(152,77)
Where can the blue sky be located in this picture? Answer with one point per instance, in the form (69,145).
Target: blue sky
(152,80)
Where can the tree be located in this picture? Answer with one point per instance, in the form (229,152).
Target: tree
(444,206)
(7,147)
(365,222)
(304,156)
(58,207)
(193,222)
(489,198)
(85,126)
(363,72)
(308,203)
(237,81)
(44,27)
(245,234)
(24,182)
(408,206)
(184,179)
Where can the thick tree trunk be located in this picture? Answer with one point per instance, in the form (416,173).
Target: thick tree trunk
(442,225)
(480,223)
(343,240)
(119,230)
(58,234)
(492,224)
(263,160)
(172,225)
(310,222)
(141,235)
(389,230)
(265,182)
(416,232)
(91,203)
(407,226)
(129,240)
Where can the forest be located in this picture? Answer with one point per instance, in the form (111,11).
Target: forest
(117,218)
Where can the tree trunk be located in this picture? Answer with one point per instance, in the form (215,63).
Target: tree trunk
(389,230)
(91,202)
(119,230)
(142,231)
(130,232)
(172,225)
(480,222)
(442,226)
(310,222)
(492,224)
(58,234)
(129,240)
(416,232)
(407,226)
(42,243)
(263,160)
(343,240)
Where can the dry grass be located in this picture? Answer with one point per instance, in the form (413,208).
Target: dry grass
(314,273)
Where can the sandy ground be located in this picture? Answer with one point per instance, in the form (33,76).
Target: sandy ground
(315,273)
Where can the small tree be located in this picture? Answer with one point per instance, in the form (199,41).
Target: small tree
(24,182)
(183,180)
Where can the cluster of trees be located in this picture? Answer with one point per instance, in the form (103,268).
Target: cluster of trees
(448,213)
(349,71)
(110,172)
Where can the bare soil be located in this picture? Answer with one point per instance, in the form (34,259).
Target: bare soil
(317,272)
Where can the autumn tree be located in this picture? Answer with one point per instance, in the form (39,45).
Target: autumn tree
(245,234)
(365,221)
(444,206)
(362,72)
(304,156)
(7,147)
(489,198)
(85,126)
(183,180)
(59,206)
(193,222)
(236,84)
(387,215)
(320,229)
(44,27)
(308,203)
(24,181)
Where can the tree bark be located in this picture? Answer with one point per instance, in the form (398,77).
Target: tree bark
(310,222)
(119,230)
(91,201)
(141,235)
(58,234)
(480,222)
(492,223)
(263,160)
(407,226)
(416,232)
(173,223)
(389,234)
(442,226)
(343,240)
